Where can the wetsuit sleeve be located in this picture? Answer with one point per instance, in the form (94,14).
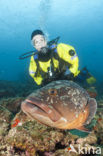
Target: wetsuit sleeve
(75,65)
(68,54)
(32,71)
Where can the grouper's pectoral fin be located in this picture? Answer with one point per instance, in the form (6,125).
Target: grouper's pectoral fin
(92,107)
(83,129)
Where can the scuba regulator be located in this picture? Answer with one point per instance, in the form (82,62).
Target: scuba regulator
(44,50)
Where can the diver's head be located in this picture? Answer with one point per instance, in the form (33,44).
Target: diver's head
(38,40)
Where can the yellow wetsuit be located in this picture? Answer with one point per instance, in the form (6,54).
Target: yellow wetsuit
(66,54)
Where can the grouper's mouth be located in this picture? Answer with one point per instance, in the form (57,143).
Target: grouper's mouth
(34,106)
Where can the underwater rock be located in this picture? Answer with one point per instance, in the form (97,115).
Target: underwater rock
(92,92)
(12,104)
(6,93)
(14,89)
(100,104)
(62,152)
(90,139)
(5,120)
(29,137)
(24,136)
(98,128)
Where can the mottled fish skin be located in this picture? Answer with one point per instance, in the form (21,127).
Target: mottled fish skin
(62,104)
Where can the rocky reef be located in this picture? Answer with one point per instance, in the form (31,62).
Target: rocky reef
(14,89)
(22,136)
(31,138)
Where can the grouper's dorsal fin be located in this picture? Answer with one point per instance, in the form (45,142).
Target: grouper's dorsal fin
(92,105)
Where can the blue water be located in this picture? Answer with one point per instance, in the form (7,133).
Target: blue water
(78,23)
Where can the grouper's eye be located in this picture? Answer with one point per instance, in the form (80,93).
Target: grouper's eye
(52,92)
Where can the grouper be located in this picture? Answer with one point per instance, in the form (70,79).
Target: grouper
(61,104)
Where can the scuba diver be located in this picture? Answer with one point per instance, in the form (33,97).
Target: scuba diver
(85,78)
(52,61)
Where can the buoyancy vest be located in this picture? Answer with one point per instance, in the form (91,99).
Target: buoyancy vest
(62,56)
